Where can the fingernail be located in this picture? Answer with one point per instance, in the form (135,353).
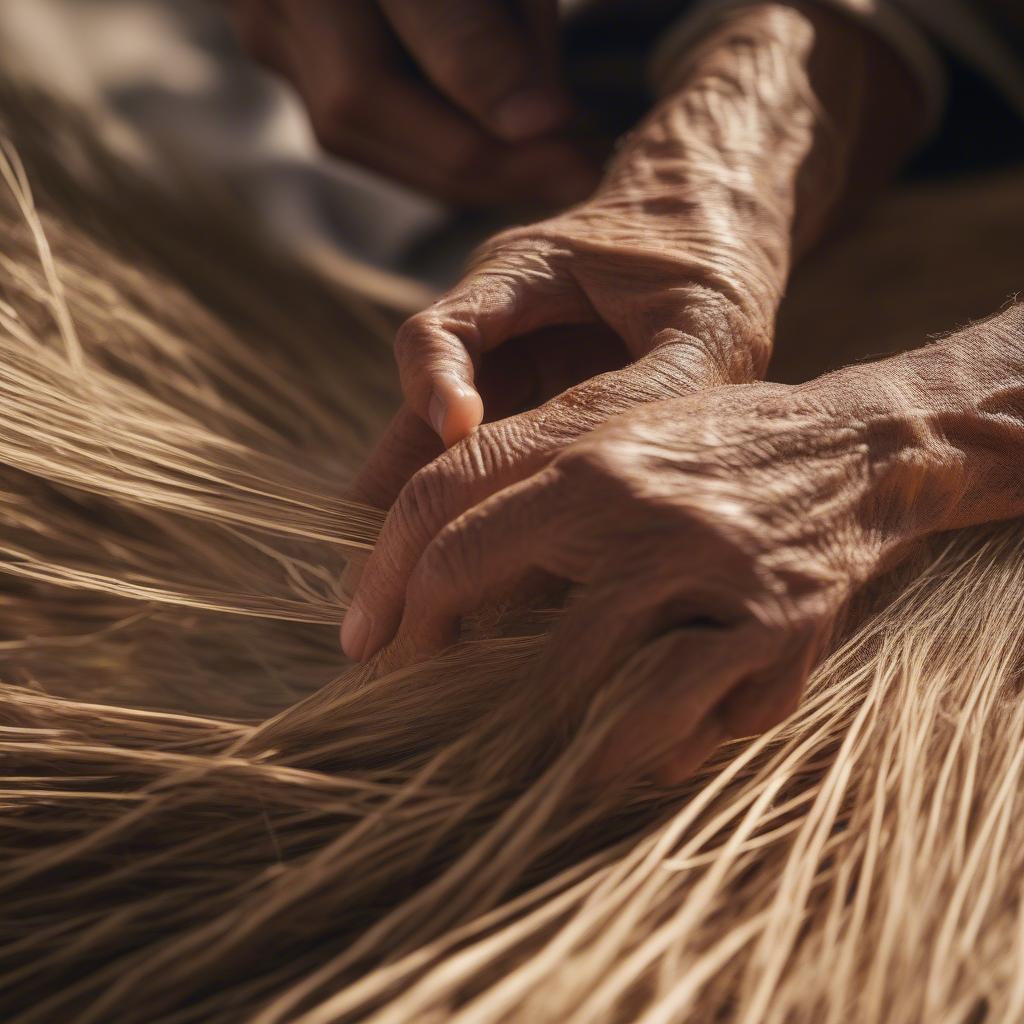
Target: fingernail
(436,411)
(528,113)
(355,631)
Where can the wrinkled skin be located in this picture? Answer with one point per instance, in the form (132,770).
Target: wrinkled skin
(738,519)
(551,336)
(665,282)
(461,100)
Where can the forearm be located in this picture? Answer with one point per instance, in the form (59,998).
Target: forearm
(777,121)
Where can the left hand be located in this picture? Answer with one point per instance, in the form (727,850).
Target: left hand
(723,531)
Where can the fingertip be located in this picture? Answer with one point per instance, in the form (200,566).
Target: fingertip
(355,631)
(455,409)
(464,416)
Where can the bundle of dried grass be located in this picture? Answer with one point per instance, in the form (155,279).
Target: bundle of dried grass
(202,820)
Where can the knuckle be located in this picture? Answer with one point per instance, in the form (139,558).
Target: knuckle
(543,242)
(414,334)
(445,559)
(484,452)
(590,463)
(424,346)
(447,576)
(498,243)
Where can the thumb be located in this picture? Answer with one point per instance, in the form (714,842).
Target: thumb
(438,350)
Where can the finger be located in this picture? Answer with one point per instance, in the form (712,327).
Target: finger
(752,707)
(513,380)
(346,63)
(701,324)
(495,457)
(478,558)
(510,296)
(681,763)
(363,105)
(675,721)
(438,364)
(481,57)
(405,447)
(437,350)
(770,697)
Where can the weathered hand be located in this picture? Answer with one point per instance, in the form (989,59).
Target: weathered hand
(720,533)
(667,278)
(456,99)
(679,276)
(664,276)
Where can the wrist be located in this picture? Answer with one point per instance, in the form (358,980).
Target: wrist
(968,393)
(715,172)
(943,430)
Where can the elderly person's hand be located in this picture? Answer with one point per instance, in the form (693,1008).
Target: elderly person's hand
(458,99)
(727,528)
(719,535)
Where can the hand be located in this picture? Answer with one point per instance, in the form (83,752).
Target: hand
(719,535)
(454,99)
(682,255)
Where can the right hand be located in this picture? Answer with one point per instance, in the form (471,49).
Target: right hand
(458,100)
